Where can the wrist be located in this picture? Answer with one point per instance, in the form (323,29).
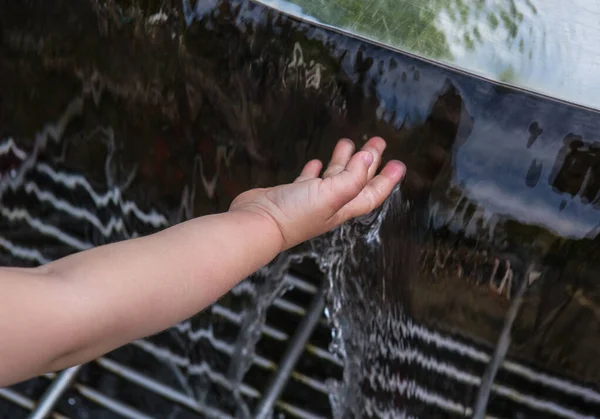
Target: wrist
(263,224)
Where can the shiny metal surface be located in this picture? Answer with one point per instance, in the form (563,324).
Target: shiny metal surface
(12,396)
(56,390)
(116,122)
(547,46)
(297,344)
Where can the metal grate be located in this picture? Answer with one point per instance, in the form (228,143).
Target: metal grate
(57,209)
(49,211)
(109,387)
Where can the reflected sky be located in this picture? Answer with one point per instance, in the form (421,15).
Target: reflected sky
(548,46)
(494,165)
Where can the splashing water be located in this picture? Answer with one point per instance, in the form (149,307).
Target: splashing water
(357,302)
(270,284)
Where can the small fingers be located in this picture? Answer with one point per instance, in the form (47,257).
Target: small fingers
(345,186)
(311,170)
(376,147)
(342,153)
(374,193)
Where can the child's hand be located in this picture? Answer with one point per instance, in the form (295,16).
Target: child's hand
(313,205)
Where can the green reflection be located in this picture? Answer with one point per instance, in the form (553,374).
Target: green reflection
(404,24)
(430,28)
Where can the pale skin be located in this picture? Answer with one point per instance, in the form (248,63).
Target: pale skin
(77,308)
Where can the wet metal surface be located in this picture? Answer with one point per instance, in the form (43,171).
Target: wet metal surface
(479,278)
(547,46)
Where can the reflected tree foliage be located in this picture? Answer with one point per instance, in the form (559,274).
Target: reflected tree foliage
(430,28)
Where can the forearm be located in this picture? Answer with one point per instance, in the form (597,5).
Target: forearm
(92,302)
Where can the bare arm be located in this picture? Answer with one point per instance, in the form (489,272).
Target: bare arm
(84,305)
(80,307)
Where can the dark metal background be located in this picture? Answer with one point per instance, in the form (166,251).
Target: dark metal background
(173,115)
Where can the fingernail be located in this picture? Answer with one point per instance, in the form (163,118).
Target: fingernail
(368,158)
(399,168)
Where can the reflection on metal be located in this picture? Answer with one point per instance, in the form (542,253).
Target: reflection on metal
(300,283)
(108,402)
(487,381)
(493,175)
(159,388)
(24,402)
(546,46)
(295,348)
(17,398)
(58,387)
